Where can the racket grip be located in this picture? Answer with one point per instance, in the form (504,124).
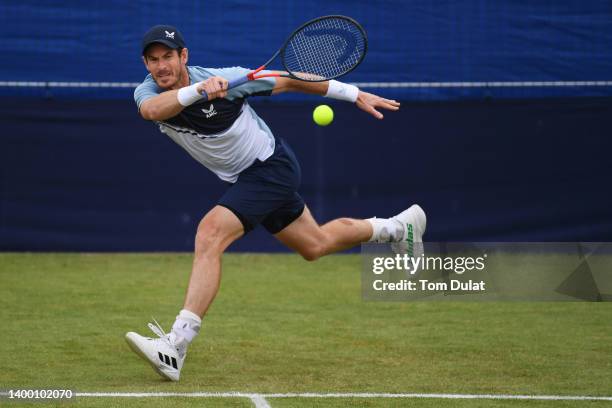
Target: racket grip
(237,82)
(232,84)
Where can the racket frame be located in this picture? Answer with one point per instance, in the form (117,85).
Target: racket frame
(251,76)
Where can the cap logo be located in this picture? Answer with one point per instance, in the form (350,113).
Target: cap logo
(169,35)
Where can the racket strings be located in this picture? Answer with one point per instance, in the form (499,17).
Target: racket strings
(322,51)
(325,49)
(319,55)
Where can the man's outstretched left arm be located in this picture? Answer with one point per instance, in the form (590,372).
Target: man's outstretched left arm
(365,101)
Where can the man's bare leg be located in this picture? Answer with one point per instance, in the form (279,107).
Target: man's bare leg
(217,230)
(312,241)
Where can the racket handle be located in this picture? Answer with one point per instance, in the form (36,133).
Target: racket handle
(237,82)
(232,84)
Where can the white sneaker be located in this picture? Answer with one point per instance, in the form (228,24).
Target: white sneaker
(162,353)
(414,223)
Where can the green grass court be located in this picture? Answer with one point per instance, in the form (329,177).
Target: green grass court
(282,325)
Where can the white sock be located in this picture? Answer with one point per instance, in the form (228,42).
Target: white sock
(386,230)
(186,327)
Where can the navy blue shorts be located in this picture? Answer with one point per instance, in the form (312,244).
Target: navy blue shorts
(266,192)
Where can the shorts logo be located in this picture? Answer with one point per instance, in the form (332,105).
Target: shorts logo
(210,112)
(169,35)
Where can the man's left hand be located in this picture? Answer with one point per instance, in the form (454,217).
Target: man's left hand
(369,103)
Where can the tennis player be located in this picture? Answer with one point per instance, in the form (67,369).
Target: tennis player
(225,134)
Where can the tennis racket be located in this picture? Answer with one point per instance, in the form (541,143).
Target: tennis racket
(321,49)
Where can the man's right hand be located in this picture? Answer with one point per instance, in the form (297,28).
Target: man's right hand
(215,87)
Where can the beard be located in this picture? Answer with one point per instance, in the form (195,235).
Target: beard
(169,80)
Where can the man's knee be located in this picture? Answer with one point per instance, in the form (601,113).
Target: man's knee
(315,250)
(210,238)
(323,243)
(311,254)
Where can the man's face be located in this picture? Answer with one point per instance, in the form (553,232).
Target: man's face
(165,64)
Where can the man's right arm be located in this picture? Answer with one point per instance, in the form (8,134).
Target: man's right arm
(161,107)
(170,103)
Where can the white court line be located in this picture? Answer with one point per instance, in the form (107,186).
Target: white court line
(489,84)
(259,401)
(444,396)
(263,396)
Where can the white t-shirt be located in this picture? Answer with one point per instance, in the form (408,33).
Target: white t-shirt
(225,135)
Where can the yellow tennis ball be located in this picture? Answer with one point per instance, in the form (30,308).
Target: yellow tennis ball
(323,115)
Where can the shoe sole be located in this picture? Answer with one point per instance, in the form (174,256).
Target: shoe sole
(134,346)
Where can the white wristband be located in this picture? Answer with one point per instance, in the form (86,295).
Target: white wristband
(342,91)
(188,95)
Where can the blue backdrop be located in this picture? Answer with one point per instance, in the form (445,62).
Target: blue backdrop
(90,175)
(410,41)
(79,169)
